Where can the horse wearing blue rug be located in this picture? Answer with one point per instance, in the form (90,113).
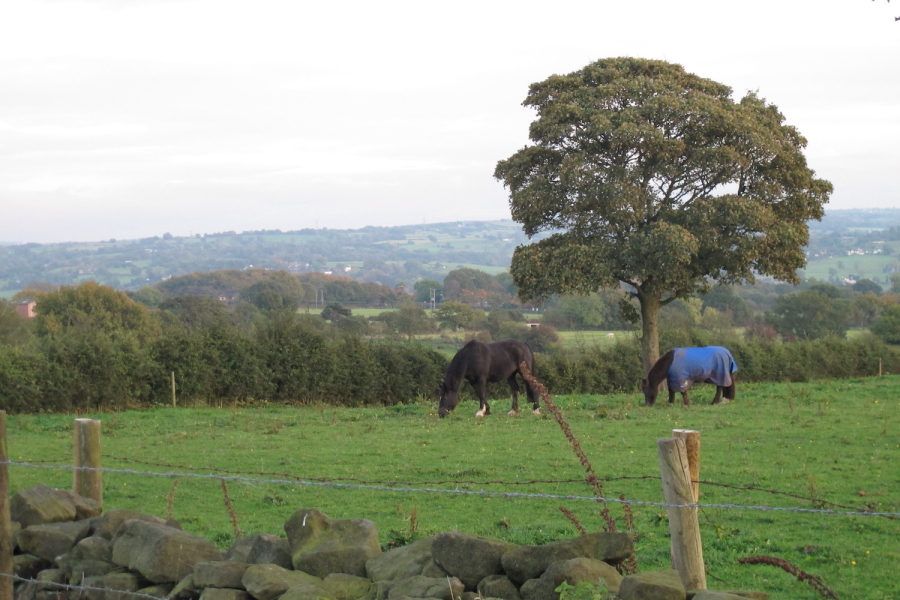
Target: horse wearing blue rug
(683,367)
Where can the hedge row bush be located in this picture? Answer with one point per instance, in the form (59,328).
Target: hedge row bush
(287,361)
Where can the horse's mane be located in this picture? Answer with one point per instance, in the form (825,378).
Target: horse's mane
(659,370)
(457,366)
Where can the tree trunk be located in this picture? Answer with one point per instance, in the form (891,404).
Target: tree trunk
(650,305)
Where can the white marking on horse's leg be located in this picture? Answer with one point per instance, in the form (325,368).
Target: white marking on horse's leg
(480,413)
(304,520)
(513,413)
(536,411)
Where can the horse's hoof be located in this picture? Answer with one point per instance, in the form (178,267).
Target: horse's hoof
(536,411)
(479,414)
(513,413)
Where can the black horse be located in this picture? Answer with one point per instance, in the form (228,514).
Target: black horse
(682,367)
(482,364)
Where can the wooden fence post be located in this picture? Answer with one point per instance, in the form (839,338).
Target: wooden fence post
(87,454)
(7,569)
(692,445)
(173,389)
(684,523)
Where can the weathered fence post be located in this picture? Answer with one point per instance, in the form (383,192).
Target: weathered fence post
(684,523)
(88,483)
(7,570)
(692,445)
(173,389)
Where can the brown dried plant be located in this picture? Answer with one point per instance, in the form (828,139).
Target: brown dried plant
(234,520)
(170,499)
(576,446)
(573,519)
(813,580)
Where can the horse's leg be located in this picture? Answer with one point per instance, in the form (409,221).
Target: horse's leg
(533,397)
(718,398)
(514,386)
(481,391)
(672,396)
(686,398)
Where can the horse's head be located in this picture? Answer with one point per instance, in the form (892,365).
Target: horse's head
(650,391)
(449,400)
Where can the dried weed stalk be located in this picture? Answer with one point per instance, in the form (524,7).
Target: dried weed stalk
(573,519)
(813,580)
(170,499)
(576,447)
(234,520)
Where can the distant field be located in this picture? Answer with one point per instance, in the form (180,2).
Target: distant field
(867,266)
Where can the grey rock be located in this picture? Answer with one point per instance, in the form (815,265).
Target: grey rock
(268,549)
(90,567)
(224,594)
(432,569)
(399,563)
(529,562)
(114,586)
(184,589)
(106,525)
(240,549)
(220,574)
(28,566)
(427,587)
(266,582)
(573,572)
(93,547)
(160,553)
(52,539)
(470,558)
(341,586)
(498,586)
(161,590)
(321,546)
(42,504)
(653,585)
(304,592)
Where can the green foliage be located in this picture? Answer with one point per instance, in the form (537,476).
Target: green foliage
(335,312)
(14,329)
(149,296)
(810,314)
(92,306)
(653,177)
(455,315)
(887,328)
(424,288)
(195,312)
(280,290)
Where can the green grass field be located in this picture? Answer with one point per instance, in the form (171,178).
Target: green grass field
(830,444)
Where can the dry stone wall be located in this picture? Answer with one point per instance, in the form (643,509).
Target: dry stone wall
(66,540)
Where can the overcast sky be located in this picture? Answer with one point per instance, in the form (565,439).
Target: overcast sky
(133,118)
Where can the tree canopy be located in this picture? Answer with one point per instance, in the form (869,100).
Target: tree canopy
(651,176)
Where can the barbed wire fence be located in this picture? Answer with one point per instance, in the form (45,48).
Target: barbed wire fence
(223,476)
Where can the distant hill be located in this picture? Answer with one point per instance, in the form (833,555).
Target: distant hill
(388,255)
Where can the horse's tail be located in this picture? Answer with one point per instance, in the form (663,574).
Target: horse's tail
(729,391)
(530,361)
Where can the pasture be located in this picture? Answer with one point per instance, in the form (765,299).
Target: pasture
(822,445)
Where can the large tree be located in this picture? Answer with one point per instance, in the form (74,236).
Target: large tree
(652,176)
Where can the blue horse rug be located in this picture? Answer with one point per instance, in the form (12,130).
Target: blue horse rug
(689,365)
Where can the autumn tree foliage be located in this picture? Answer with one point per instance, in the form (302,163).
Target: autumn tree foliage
(647,175)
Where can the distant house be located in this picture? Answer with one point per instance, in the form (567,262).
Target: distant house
(26,308)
